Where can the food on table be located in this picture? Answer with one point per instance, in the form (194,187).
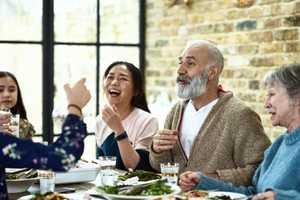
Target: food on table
(197,195)
(153,189)
(178,197)
(21,174)
(204,195)
(141,174)
(48,196)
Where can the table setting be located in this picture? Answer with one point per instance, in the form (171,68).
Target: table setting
(99,179)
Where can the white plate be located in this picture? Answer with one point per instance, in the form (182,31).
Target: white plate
(231,194)
(20,185)
(175,188)
(69,196)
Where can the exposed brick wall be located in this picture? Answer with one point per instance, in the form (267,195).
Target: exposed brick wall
(254,39)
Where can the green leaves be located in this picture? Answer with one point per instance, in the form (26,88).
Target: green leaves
(141,174)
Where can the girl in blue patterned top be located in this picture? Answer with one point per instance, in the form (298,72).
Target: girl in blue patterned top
(278,176)
(59,156)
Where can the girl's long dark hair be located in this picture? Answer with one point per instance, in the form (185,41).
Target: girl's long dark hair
(19,108)
(139,100)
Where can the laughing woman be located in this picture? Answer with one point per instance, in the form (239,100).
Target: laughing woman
(125,127)
(278,176)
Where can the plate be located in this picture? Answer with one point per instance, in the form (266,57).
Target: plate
(175,188)
(231,194)
(20,185)
(27,197)
(69,196)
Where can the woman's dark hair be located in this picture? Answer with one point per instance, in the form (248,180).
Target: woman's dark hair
(19,107)
(139,100)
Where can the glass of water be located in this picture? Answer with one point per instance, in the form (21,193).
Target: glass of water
(14,125)
(108,175)
(170,171)
(47,181)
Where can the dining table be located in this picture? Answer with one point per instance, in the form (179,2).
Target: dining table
(76,191)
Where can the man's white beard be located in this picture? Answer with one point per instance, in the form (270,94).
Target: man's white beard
(196,86)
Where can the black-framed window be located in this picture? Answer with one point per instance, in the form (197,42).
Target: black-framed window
(48,43)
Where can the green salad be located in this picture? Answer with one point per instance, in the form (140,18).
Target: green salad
(158,188)
(141,174)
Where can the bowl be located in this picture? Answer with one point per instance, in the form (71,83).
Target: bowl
(83,173)
(20,185)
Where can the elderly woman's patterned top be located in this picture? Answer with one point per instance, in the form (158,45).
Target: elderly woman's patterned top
(26,129)
(59,156)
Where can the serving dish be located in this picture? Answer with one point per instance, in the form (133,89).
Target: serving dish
(82,173)
(20,185)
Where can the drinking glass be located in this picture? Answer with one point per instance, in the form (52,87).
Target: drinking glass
(47,181)
(4,112)
(108,175)
(14,125)
(170,172)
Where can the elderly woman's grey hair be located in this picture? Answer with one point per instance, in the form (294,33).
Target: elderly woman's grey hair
(287,76)
(214,54)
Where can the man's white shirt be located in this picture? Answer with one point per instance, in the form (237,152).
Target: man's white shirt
(191,123)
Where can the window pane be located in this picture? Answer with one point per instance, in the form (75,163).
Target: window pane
(21,20)
(112,54)
(71,64)
(119,21)
(19,60)
(75,21)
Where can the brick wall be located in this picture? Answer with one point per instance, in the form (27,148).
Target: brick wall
(254,37)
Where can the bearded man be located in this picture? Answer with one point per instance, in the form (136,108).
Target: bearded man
(210,130)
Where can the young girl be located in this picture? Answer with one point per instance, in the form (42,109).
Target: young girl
(60,155)
(11,98)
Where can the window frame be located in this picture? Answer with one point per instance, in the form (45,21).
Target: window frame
(48,43)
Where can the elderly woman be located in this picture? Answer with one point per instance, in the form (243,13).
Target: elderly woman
(278,176)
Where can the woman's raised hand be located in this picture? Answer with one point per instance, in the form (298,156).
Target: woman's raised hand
(78,94)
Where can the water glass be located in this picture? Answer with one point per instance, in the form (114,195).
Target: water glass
(14,125)
(108,175)
(170,172)
(47,181)
(5,113)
